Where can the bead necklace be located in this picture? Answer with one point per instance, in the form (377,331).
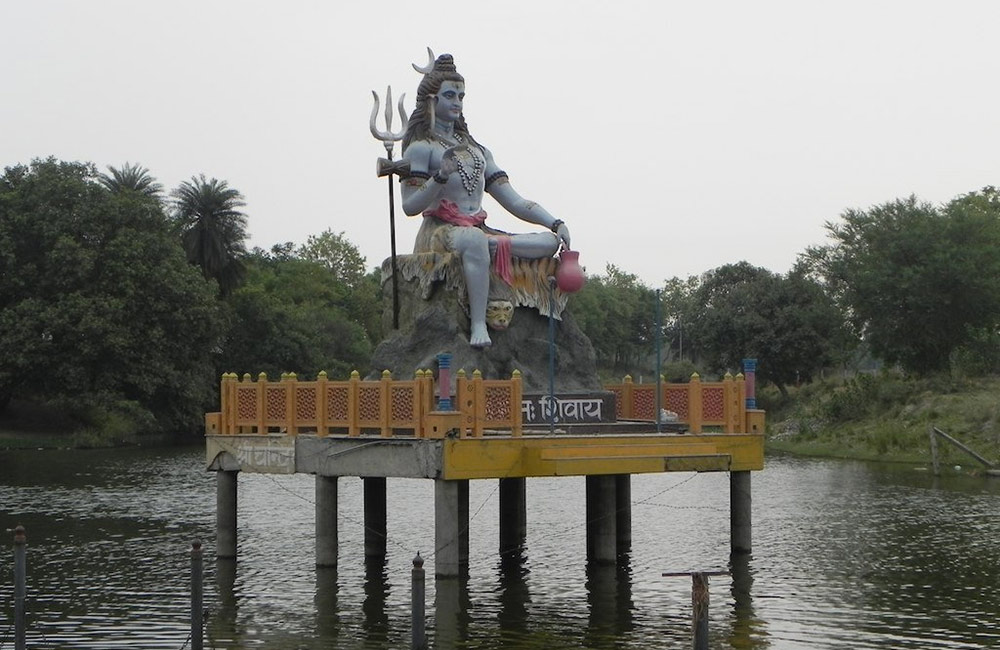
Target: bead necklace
(470,179)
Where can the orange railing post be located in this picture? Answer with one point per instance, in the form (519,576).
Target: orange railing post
(384,405)
(353,392)
(740,402)
(627,406)
(694,403)
(322,414)
(515,403)
(261,384)
(727,404)
(479,401)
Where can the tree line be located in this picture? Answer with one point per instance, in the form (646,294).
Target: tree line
(122,304)
(907,284)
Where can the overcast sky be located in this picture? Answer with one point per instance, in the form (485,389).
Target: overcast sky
(672,137)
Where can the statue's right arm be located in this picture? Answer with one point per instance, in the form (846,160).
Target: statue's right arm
(420,190)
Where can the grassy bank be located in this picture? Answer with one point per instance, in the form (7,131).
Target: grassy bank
(886,417)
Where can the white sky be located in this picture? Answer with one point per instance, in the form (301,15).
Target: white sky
(672,137)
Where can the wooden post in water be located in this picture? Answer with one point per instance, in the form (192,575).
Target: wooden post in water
(418,620)
(225,513)
(197,595)
(20,587)
(934,451)
(699,604)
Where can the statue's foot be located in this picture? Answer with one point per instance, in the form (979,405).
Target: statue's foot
(480,337)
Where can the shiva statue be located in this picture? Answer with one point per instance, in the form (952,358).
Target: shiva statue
(449,171)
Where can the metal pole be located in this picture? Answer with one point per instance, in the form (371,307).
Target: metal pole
(552,358)
(392,239)
(659,364)
(418,640)
(197,595)
(20,588)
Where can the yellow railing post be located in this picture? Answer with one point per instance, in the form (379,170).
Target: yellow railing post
(322,428)
(627,397)
(465,403)
(740,414)
(353,390)
(515,403)
(261,410)
(291,398)
(479,402)
(226,404)
(727,404)
(385,406)
(694,403)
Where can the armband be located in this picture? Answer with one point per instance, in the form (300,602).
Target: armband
(496,177)
(423,175)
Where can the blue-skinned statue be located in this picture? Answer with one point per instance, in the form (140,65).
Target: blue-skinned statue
(449,172)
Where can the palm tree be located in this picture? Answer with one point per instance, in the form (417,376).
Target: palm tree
(135,178)
(213,230)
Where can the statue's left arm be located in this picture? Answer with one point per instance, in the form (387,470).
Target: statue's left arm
(499,187)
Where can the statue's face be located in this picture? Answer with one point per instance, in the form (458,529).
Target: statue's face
(448,107)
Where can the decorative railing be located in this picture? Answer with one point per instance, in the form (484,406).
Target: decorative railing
(386,406)
(697,404)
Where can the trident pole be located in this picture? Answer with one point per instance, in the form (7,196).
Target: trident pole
(386,167)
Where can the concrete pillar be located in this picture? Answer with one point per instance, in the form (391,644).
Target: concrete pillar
(375,516)
(623,513)
(225,514)
(739,511)
(451,527)
(602,539)
(326,521)
(513,515)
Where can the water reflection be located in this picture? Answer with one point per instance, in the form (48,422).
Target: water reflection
(747,630)
(326,604)
(376,621)
(847,555)
(451,612)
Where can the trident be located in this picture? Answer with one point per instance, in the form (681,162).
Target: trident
(386,167)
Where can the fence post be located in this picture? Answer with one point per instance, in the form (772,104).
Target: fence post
(419,636)
(627,397)
(694,403)
(699,608)
(934,450)
(197,595)
(20,588)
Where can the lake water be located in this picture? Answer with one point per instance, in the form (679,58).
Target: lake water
(846,555)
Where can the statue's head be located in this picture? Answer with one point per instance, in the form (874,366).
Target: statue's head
(421,120)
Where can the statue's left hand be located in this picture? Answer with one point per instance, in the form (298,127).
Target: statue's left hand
(563,234)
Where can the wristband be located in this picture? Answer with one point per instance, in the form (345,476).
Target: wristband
(438,178)
(555,225)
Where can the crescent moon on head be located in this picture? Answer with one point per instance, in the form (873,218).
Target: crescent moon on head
(430,63)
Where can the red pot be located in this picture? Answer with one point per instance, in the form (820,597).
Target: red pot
(569,275)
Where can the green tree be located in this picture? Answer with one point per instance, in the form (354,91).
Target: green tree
(917,281)
(289,316)
(134,178)
(617,313)
(788,323)
(213,230)
(98,306)
(359,292)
